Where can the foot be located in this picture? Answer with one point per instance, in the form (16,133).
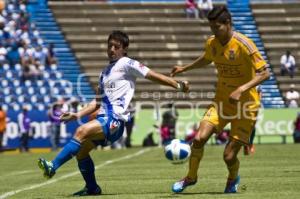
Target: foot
(86,192)
(232,185)
(47,168)
(182,184)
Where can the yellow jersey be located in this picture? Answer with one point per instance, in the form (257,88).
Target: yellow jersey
(236,63)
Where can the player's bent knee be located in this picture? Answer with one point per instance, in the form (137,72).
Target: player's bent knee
(81,134)
(85,149)
(229,157)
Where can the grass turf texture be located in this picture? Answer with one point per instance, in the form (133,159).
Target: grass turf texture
(273,172)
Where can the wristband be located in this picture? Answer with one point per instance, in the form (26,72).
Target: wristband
(180,86)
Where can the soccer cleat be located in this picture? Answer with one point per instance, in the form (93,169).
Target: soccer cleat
(86,192)
(232,185)
(47,168)
(182,184)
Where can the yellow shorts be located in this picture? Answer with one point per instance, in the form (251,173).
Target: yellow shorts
(241,128)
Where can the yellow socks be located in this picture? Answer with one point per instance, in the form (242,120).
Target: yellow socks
(233,170)
(196,156)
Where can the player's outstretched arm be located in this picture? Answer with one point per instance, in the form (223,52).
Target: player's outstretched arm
(90,108)
(198,63)
(168,81)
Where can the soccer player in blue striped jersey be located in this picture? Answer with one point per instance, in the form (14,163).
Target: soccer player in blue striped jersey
(116,89)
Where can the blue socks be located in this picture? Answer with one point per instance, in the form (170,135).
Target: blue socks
(69,150)
(87,169)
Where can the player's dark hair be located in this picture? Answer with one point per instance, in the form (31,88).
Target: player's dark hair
(221,14)
(119,36)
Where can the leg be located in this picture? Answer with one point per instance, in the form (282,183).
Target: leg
(71,149)
(129,126)
(291,71)
(210,123)
(250,148)
(1,140)
(57,136)
(241,130)
(230,157)
(26,139)
(205,130)
(52,137)
(87,170)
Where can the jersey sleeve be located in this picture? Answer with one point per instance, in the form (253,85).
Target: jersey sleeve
(257,61)
(136,68)
(252,55)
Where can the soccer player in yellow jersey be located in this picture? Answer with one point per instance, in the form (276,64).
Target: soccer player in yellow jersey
(240,69)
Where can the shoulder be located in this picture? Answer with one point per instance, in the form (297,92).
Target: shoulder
(245,43)
(127,61)
(210,39)
(124,60)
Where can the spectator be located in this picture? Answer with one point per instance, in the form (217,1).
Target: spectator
(296,133)
(222,138)
(50,55)
(54,114)
(168,126)
(288,64)
(148,140)
(191,9)
(40,55)
(3,53)
(24,127)
(2,126)
(292,97)
(204,7)
(31,71)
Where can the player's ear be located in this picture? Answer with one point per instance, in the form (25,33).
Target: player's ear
(125,51)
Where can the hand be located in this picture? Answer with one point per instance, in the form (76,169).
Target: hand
(176,69)
(68,116)
(235,95)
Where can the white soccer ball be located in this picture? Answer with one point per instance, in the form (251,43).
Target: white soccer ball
(177,151)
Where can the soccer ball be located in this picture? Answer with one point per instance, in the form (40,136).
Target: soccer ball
(177,151)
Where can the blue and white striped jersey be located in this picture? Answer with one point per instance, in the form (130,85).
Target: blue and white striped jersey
(117,85)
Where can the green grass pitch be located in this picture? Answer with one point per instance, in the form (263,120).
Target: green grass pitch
(273,172)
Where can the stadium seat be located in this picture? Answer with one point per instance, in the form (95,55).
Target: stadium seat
(16,107)
(4,83)
(27,83)
(16,83)
(6,91)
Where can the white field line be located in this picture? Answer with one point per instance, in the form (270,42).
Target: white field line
(18,173)
(11,193)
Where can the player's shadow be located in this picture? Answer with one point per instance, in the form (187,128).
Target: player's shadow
(168,196)
(192,193)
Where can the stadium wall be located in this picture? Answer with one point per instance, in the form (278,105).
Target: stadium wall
(275,122)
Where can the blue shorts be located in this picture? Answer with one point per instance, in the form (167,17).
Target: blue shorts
(112,128)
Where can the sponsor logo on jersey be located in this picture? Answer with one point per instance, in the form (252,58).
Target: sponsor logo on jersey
(231,55)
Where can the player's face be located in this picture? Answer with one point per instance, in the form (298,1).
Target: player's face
(220,30)
(115,50)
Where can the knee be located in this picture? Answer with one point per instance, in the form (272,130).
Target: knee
(82,155)
(81,134)
(229,157)
(200,139)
